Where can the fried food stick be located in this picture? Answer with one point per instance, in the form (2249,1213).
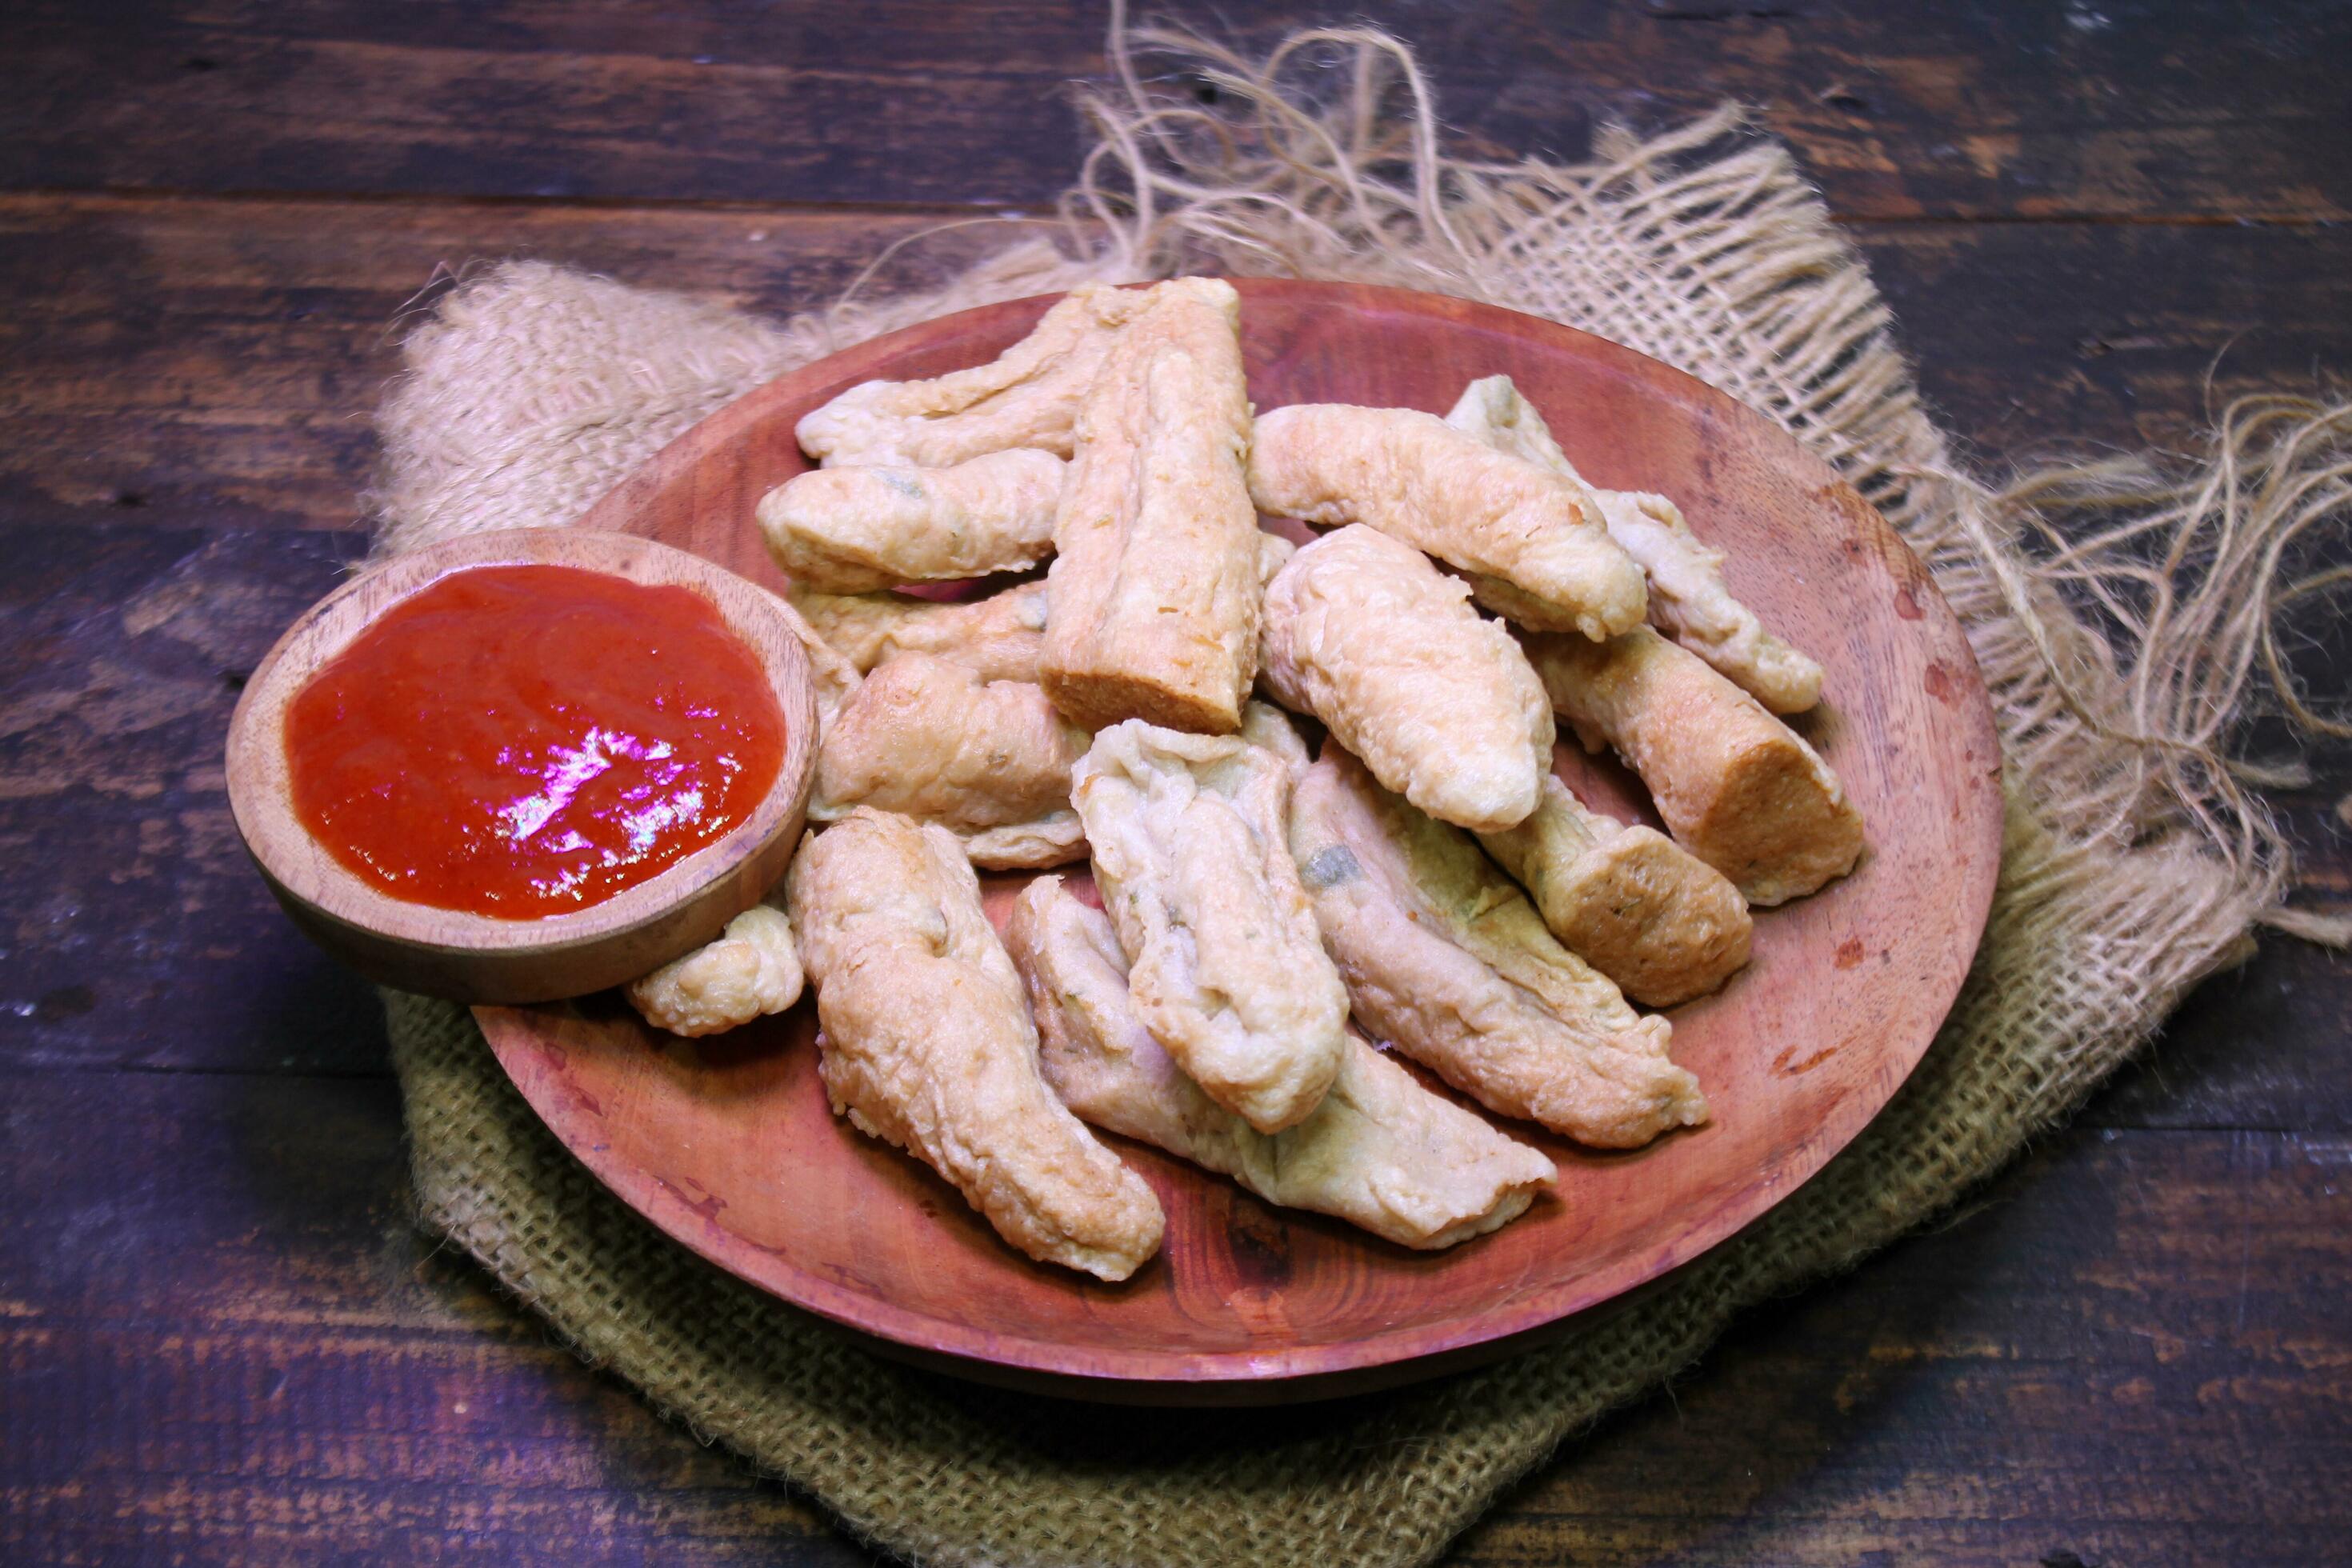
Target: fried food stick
(1190,852)
(1026,396)
(1362,632)
(1154,591)
(927,1044)
(855,530)
(1535,545)
(1447,961)
(1379,1152)
(1736,787)
(1688,597)
(1661,922)
(1001,636)
(989,761)
(751,971)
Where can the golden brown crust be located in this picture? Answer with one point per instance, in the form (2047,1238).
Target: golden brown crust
(858,529)
(1379,1152)
(1154,591)
(989,761)
(1661,922)
(1447,961)
(927,1044)
(1414,476)
(1362,632)
(1736,787)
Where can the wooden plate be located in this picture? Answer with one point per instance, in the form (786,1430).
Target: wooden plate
(729,1146)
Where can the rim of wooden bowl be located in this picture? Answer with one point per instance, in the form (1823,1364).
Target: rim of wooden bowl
(479,957)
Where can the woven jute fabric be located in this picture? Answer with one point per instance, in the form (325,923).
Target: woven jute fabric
(2135,863)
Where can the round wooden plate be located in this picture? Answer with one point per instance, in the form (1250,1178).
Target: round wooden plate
(729,1146)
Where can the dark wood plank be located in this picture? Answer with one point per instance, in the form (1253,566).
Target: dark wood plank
(2035,341)
(141,934)
(2265,1045)
(1991,107)
(220,361)
(233,1347)
(2109,1360)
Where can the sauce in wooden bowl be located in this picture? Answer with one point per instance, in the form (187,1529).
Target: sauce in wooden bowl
(522,741)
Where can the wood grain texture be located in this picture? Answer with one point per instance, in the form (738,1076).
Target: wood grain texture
(2067,1425)
(2066,1375)
(221,361)
(138,935)
(1983,108)
(1249,1304)
(236,1349)
(182,361)
(472,957)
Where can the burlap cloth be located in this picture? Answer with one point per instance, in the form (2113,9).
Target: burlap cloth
(2134,863)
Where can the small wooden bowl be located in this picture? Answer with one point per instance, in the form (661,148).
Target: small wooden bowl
(477,958)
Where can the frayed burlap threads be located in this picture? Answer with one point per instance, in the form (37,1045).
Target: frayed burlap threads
(2122,622)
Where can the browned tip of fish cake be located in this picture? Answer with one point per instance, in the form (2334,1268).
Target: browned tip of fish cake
(1646,912)
(1737,787)
(1098,699)
(1770,826)
(1636,912)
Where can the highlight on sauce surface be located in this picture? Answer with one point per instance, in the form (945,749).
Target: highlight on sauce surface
(527,740)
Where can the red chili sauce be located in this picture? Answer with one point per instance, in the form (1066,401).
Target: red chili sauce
(525,741)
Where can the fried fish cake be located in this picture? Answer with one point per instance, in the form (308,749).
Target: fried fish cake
(751,971)
(999,636)
(927,1044)
(1657,920)
(987,760)
(1736,787)
(1026,396)
(1379,1152)
(1688,597)
(1362,632)
(1447,961)
(1192,857)
(856,529)
(1153,595)
(1267,726)
(1528,539)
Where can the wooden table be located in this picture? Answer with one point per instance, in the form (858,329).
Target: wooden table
(224,1341)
